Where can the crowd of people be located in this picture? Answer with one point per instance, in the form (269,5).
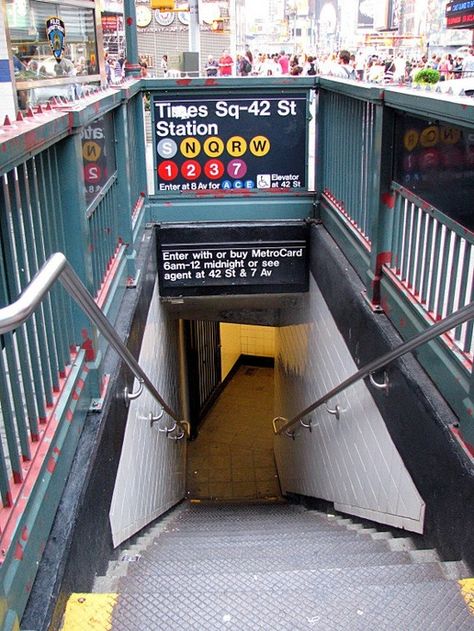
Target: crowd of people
(114,67)
(374,68)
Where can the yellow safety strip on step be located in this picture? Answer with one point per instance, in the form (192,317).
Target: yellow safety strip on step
(467,590)
(91,612)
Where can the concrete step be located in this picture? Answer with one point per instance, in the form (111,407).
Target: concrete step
(188,544)
(253,527)
(165,545)
(276,563)
(202,513)
(415,606)
(234,521)
(316,580)
(244,507)
(308,549)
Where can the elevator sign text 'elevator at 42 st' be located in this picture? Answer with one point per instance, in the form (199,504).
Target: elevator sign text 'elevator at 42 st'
(230,145)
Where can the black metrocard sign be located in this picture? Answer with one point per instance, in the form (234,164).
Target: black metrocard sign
(217,145)
(233,258)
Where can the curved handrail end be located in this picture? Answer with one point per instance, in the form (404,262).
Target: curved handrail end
(276,420)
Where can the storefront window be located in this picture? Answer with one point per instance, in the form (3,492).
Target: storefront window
(36,68)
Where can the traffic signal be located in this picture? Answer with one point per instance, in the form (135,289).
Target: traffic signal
(162,5)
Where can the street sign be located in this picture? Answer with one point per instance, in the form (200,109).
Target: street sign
(234,258)
(230,144)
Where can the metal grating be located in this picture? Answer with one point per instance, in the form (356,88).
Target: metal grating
(280,567)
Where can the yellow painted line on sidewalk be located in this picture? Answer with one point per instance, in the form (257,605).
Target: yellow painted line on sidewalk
(89,612)
(467,590)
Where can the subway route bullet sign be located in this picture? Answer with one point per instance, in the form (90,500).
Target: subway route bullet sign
(226,145)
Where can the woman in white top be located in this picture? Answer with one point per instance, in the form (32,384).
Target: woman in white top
(164,65)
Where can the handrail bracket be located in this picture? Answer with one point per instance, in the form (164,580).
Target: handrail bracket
(380,386)
(131,396)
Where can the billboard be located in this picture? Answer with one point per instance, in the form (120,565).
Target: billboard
(365,17)
(460,14)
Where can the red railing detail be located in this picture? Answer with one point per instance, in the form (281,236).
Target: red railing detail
(20,492)
(339,206)
(112,266)
(137,207)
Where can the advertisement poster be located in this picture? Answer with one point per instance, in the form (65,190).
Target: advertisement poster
(98,156)
(227,144)
(436,162)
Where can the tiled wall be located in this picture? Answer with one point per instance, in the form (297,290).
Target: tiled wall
(257,340)
(231,347)
(151,473)
(351,461)
(244,339)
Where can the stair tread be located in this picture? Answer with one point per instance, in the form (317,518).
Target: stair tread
(232,520)
(287,561)
(256,540)
(314,579)
(277,567)
(271,549)
(436,605)
(177,530)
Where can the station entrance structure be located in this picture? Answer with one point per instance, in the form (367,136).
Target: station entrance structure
(362,190)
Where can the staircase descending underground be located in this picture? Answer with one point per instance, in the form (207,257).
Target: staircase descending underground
(278,566)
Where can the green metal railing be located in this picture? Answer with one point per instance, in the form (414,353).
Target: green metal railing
(415,261)
(103,230)
(346,132)
(36,357)
(433,258)
(391,237)
(47,380)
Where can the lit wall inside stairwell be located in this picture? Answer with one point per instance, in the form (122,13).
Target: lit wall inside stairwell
(351,461)
(151,473)
(244,339)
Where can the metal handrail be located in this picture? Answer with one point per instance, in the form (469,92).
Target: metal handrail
(450,322)
(58,268)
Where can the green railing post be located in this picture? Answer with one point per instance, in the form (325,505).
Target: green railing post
(129,14)
(131,171)
(140,157)
(74,205)
(125,199)
(381,200)
(78,240)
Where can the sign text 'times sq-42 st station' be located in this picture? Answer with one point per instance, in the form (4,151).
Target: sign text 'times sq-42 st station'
(223,144)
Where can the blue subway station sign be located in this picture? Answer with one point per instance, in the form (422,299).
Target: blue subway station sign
(230,144)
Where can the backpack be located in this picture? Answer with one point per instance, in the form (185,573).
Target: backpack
(246,66)
(350,73)
(311,69)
